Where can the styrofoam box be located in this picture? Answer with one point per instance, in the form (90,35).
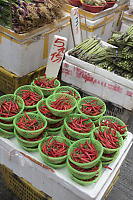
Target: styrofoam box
(57,182)
(101,27)
(24,53)
(118,16)
(98,81)
(92,16)
(127,21)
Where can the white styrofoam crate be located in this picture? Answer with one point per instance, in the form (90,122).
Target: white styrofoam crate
(24,53)
(98,81)
(51,181)
(127,21)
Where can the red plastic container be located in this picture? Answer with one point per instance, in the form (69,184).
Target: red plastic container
(110,4)
(93,9)
(76,3)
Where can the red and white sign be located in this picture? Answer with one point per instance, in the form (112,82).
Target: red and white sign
(56,55)
(76,25)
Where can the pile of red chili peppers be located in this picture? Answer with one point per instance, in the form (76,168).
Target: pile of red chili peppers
(89,170)
(30,98)
(29,124)
(8,108)
(80,125)
(114,125)
(63,103)
(45,111)
(69,136)
(85,153)
(72,94)
(54,148)
(45,82)
(91,108)
(107,138)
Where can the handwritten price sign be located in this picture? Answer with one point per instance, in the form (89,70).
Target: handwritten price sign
(76,25)
(56,55)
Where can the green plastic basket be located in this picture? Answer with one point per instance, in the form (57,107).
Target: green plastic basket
(88,99)
(63,134)
(29,149)
(118,121)
(53,132)
(106,159)
(6,125)
(74,133)
(68,90)
(107,150)
(84,182)
(53,160)
(45,91)
(110,161)
(6,134)
(61,113)
(49,120)
(83,175)
(16,99)
(56,166)
(26,133)
(32,89)
(97,146)
(28,143)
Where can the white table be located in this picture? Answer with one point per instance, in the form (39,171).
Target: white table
(57,183)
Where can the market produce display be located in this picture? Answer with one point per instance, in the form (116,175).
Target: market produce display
(29,14)
(83,142)
(117,59)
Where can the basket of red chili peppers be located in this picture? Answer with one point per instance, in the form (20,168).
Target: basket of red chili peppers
(85,153)
(29,125)
(110,139)
(91,107)
(53,150)
(78,126)
(116,124)
(61,104)
(46,84)
(10,107)
(31,96)
(68,90)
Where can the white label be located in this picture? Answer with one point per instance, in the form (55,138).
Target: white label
(56,55)
(76,25)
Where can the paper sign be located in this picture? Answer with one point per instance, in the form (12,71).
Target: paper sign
(76,25)
(56,55)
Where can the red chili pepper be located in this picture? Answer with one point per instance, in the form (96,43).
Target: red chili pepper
(27,123)
(54,148)
(45,82)
(8,109)
(62,103)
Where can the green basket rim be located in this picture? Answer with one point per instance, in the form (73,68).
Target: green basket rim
(33,87)
(117,119)
(21,110)
(48,157)
(71,131)
(70,88)
(49,120)
(84,173)
(6,132)
(49,77)
(107,149)
(9,126)
(103,158)
(62,134)
(27,131)
(56,166)
(91,98)
(85,182)
(25,141)
(61,111)
(28,148)
(90,164)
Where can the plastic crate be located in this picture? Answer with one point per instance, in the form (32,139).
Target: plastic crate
(9,81)
(21,188)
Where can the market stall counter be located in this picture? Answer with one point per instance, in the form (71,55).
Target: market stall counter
(57,183)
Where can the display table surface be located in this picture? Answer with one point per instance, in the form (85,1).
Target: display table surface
(56,182)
